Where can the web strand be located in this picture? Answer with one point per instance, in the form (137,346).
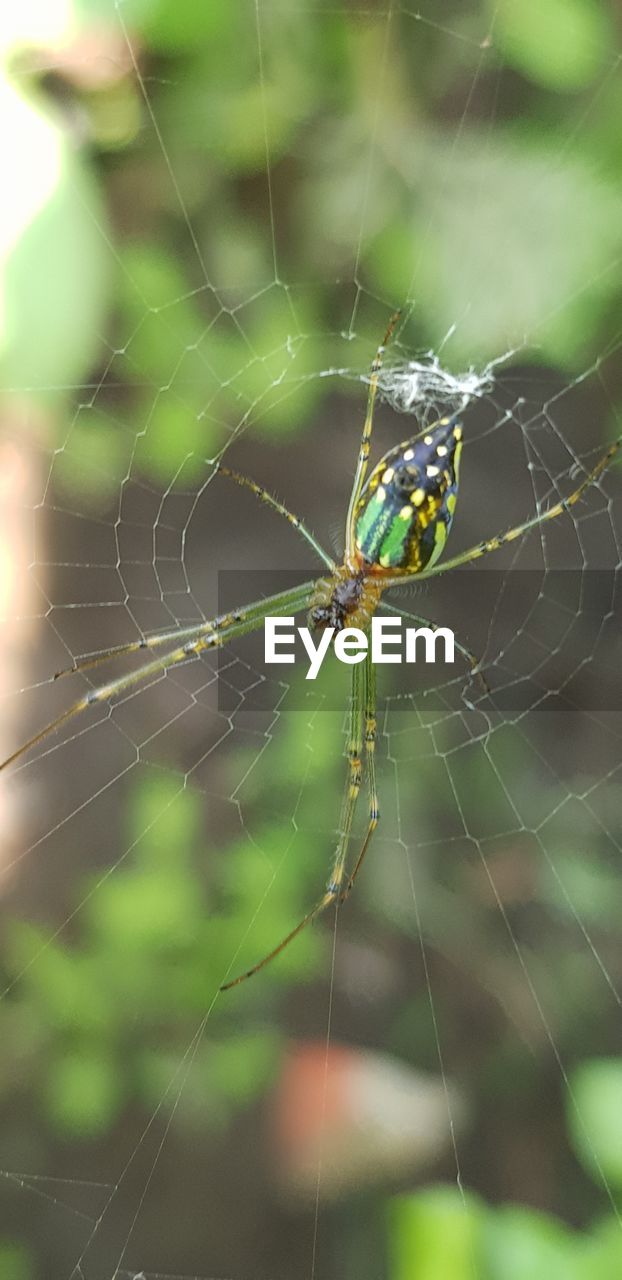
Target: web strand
(493,821)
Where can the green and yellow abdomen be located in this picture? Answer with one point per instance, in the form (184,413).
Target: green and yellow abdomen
(406,508)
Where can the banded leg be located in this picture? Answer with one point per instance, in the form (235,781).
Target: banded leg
(180,634)
(352,789)
(149,643)
(208,635)
(263,495)
(493,544)
(469,657)
(364,447)
(370,764)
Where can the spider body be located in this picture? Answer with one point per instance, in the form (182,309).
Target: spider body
(405,510)
(401,523)
(396,528)
(347,599)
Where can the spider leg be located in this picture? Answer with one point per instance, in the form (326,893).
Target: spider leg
(364,447)
(145,645)
(469,657)
(370,761)
(148,643)
(207,635)
(168,637)
(277,506)
(493,544)
(351,793)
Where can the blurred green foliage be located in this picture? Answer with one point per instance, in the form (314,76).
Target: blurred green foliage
(560,44)
(15,1263)
(147,328)
(158,934)
(94,282)
(440,1234)
(595,1119)
(92,1015)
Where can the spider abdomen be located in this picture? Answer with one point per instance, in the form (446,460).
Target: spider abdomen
(406,508)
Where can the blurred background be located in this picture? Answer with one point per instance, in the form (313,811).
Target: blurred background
(209,213)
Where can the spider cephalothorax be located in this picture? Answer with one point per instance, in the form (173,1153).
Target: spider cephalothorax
(348,599)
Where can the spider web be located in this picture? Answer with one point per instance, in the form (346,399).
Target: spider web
(161,844)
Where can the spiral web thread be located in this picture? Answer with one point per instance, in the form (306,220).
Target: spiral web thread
(148,560)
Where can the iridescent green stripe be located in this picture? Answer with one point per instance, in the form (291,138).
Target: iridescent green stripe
(371,528)
(394,545)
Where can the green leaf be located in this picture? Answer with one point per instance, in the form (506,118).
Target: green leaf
(83,1092)
(64,987)
(175,444)
(142,911)
(517,250)
(561,44)
(435,1235)
(185,25)
(14,1262)
(241,1066)
(278,382)
(595,1118)
(93,460)
(54,257)
(93,14)
(165,820)
(603,1251)
(521,1244)
(150,278)
(588,888)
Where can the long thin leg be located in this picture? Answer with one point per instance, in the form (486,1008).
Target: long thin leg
(370,762)
(364,447)
(493,544)
(209,635)
(350,797)
(181,634)
(277,506)
(145,645)
(466,653)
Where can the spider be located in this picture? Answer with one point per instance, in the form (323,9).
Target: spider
(397,524)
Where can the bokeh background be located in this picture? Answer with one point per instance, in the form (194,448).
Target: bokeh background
(209,212)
